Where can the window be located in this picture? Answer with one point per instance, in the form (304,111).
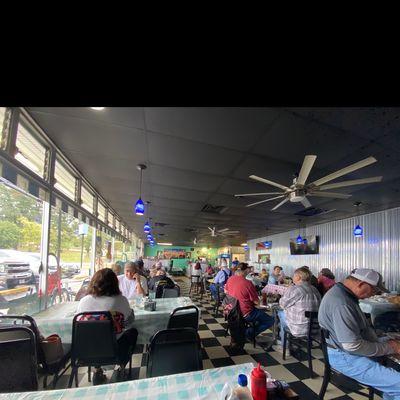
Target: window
(65,180)
(101,211)
(87,199)
(30,151)
(2,114)
(110,219)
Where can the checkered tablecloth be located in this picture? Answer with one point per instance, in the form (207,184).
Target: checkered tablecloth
(58,318)
(199,385)
(275,289)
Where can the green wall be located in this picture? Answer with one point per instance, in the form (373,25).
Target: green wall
(211,254)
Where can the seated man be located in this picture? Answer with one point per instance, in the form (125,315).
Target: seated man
(352,343)
(159,276)
(222,276)
(300,297)
(277,276)
(244,291)
(132,284)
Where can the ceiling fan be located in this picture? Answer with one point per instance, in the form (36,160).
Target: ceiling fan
(220,232)
(299,190)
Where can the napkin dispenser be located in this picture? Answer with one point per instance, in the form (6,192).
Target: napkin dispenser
(150,305)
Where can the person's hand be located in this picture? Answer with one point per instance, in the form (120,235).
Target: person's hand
(395,345)
(136,277)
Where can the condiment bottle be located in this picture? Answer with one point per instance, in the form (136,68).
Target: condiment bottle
(258,381)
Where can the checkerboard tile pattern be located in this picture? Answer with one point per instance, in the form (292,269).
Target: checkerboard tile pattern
(216,353)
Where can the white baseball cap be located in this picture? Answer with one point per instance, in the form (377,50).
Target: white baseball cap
(370,276)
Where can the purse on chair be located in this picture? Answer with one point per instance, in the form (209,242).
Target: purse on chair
(52,348)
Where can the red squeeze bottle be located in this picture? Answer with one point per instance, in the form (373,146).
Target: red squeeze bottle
(258,380)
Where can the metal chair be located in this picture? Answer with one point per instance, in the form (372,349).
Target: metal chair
(18,366)
(174,351)
(195,284)
(313,335)
(171,292)
(57,368)
(218,300)
(184,317)
(329,371)
(94,343)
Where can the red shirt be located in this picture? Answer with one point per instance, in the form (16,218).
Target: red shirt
(243,290)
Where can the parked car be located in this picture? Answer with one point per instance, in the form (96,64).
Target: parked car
(14,270)
(70,269)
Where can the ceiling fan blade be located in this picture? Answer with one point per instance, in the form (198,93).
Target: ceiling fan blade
(344,171)
(210,228)
(305,169)
(351,183)
(257,178)
(256,194)
(263,201)
(330,194)
(223,230)
(306,203)
(281,203)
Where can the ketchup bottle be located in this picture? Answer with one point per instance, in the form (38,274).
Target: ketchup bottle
(258,380)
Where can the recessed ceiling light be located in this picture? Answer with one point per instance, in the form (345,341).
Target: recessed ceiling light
(244,244)
(165,244)
(97,108)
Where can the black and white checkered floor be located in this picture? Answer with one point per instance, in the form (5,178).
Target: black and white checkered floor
(216,353)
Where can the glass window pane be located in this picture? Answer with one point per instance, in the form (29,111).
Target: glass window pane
(20,238)
(30,151)
(87,199)
(2,112)
(101,211)
(110,219)
(65,180)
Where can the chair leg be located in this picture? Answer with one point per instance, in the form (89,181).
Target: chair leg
(324,383)
(254,334)
(55,380)
(71,377)
(45,382)
(89,372)
(370,393)
(130,367)
(309,357)
(285,338)
(76,377)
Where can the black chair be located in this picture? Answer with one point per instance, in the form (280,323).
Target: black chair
(196,284)
(313,336)
(329,371)
(171,292)
(184,317)
(57,368)
(218,300)
(18,366)
(388,321)
(174,351)
(94,343)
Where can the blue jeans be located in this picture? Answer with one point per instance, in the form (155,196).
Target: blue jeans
(213,290)
(262,321)
(283,323)
(367,371)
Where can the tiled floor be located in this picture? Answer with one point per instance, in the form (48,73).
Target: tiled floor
(216,353)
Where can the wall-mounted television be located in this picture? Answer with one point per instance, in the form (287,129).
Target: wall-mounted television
(264,245)
(308,245)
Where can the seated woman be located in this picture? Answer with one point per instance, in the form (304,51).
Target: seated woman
(326,280)
(264,275)
(277,277)
(210,270)
(104,295)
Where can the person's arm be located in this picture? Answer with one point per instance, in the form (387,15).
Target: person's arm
(139,288)
(253,294)
(290,297)
(347,331)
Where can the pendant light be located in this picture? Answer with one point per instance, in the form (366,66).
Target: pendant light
(358,230)
(146,227)
(139,206)
(299,239)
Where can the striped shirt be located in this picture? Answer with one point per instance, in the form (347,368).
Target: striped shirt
(296,300)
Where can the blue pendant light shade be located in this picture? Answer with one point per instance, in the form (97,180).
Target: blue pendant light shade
(305,241)
(139,207)
(149,237)
(299,240)
(146,227)
(358,231)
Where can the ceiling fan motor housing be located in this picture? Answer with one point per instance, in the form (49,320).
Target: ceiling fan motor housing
(297,195)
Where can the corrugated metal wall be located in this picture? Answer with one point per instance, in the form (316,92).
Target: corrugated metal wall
(340,251)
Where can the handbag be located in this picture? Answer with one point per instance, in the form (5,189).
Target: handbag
(52,349)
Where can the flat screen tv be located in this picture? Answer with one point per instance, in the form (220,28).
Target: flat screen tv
(264,245)
(308,245)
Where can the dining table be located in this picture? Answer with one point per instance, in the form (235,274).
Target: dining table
(58,318)
(377,305)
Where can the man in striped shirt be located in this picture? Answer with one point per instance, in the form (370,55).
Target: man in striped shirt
(300,297)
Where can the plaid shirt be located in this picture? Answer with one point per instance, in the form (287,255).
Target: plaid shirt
(296,300)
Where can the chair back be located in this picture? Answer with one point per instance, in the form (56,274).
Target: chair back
(314,329)
(93,339)
(184,317)
(324,336)
(18,366)
(195,278)
(174,351)
(171,292)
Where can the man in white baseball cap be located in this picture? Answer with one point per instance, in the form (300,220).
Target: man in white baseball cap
(352,342)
